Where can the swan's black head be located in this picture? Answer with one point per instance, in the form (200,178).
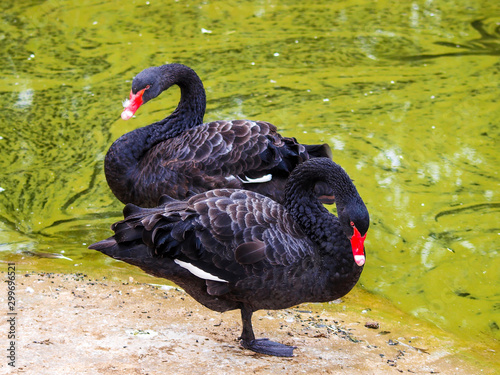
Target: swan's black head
(145,86)
(352,213)
(149,80)
(150,83)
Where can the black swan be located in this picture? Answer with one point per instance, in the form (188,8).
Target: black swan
(237,249)
(180,156)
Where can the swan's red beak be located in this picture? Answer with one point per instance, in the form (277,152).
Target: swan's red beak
(133,104)
(358,247)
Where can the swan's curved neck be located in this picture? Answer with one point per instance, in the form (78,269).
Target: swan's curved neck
(304,206)
(191,108)
(308,212)
(189,112)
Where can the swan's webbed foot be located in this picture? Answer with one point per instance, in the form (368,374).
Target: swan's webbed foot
(265,346)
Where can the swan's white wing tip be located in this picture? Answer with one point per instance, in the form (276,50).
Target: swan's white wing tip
(266,178)
(198,271)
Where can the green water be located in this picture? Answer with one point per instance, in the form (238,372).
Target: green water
(407,95)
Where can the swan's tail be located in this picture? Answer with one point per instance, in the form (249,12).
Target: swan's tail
(126,245)
(133,242)
(319,151)
(294,153)
(130,241)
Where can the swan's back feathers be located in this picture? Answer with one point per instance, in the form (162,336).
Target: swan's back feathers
(226,148)
(219,154)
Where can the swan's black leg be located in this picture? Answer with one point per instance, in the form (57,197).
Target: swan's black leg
(263,346)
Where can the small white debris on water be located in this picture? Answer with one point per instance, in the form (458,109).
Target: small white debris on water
(276,54)
(205,31)
(60,256)
(30,290)
(337,143)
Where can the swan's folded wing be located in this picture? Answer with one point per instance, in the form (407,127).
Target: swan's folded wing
(246,228)
(244,148)
(221,235)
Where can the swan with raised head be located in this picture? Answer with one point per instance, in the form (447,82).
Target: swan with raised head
(180,156)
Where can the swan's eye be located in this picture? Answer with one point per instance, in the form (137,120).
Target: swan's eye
(147,87)
(352,224)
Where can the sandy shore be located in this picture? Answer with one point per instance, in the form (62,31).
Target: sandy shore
(71,324)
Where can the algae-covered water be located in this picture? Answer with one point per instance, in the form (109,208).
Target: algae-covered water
(406,93)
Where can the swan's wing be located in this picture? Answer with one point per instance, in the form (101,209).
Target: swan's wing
(250,228)
(222,235)
(221,154)
(240,148)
